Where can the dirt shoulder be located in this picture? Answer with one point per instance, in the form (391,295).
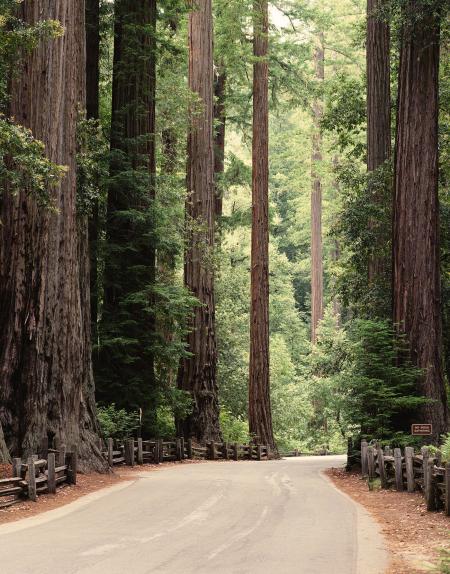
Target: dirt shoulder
(86,483)
(415,537)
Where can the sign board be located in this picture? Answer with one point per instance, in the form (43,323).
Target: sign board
(422,430)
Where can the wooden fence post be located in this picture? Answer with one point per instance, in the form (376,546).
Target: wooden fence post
(236,451)
(178,449)
(425,455)
(212,450)
(430,486)
(110,452)
(161,450)
(140,451)
(32,495)
(398,469)
(183,448)
(370,462)
(225,450)
(72,463)
(409,463)
(364,462)
(447,488)
(51,475)
(259,452)
(189,449)
(382,468)
(17,467)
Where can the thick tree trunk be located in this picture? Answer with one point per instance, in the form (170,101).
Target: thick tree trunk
(92,112)
(316,201)
(416,272)
(198,372)
(378,117)
(45,365)
(259,406)
(130,260)
(219,139)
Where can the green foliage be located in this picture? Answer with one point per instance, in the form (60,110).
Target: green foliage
(445,448)
(23,163)
(234,429)
(117,423)
(92,165)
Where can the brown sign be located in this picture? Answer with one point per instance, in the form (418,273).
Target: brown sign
(422,430)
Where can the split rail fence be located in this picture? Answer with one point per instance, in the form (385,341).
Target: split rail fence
(38,476)
(409,471)
(131,451)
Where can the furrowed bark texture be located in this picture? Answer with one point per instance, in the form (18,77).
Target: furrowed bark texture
(416,272)
(130,259)
(45,365)
(259,407)
(198,372)
(378,115)
(316,202)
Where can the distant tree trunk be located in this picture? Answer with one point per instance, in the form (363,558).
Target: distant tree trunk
(45,362)
(198,372)
(130,259)
(416,272)
(92,112)
(316,201)
(259,406)
(378,116)
(219,139)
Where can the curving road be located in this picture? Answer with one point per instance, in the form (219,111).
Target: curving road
(277,517)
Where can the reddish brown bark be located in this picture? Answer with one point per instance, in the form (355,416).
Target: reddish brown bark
(416,270)
(45,364)
(316,201)
(198,372)
(259,407)
(378,115)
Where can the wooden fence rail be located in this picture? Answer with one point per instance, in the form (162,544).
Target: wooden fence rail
(409,471)
(38,476)
(131,451)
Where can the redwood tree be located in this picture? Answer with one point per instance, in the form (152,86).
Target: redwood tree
(378,118)
(316,200)
(125,363)
(416,271)
(197,373)
(45,361)
(259,407)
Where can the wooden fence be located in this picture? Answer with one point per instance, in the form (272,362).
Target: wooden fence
(131,451)
(409,471)
(38,476)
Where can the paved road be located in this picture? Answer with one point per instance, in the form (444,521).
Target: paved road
(277,517)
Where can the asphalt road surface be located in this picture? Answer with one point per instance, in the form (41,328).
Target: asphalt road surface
(277,517)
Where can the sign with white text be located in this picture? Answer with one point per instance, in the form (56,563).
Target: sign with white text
(422,429)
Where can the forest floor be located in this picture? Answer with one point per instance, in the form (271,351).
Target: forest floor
(416,538)
(86,484)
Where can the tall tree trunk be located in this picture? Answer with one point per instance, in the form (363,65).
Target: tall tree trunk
(127,315)
(316,201)
(92,112)
(378,117)
(259,406)
(45,363)
(198,372)
(219,139)
(416,271)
